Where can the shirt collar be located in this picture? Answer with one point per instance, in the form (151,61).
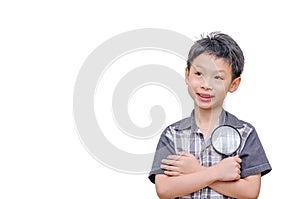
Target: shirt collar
(233,120)
(225,118)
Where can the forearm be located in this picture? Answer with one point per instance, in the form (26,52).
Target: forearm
(180,180)
(171,187)
(247,188)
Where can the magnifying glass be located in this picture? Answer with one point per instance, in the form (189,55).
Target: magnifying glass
(226,140)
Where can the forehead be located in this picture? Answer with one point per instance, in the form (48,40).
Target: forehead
(211,62)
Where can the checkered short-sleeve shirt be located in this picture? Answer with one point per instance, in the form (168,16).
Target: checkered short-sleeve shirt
(184,135)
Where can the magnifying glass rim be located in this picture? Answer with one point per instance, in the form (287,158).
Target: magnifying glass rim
(240,138)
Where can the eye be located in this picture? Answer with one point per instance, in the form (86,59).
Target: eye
(198,73)
(219,77)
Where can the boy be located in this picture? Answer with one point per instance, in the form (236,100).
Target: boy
(196,170)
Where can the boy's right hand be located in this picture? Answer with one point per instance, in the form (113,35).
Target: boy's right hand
(228,169)
(183,163)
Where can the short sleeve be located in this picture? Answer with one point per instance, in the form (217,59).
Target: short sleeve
(254,159)
(164,148)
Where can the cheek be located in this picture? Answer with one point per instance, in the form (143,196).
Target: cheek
(221,88)
(191,85)
(191,91)
(194,82)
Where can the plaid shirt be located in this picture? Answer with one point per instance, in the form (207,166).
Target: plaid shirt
(186,136)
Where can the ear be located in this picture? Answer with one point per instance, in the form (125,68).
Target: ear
(187,72)
(235,84)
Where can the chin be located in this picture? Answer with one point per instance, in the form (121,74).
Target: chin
(204,106)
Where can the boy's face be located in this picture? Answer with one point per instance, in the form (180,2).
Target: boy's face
(209,79)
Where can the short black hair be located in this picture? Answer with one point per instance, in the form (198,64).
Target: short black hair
(221,46)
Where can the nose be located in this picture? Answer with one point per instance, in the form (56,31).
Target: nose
(206,84)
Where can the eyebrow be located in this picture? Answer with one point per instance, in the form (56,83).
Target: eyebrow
(201,67)
(198,66)
(221,71)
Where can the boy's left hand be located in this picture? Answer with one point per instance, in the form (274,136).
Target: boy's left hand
(183,163)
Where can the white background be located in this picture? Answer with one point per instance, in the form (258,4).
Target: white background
(43,46)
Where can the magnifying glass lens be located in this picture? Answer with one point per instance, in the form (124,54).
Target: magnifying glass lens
(226,140)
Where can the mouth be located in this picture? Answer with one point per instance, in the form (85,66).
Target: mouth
(205,97)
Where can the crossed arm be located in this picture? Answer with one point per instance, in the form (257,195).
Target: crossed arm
(184,175)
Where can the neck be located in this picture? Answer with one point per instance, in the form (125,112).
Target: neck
(207,118)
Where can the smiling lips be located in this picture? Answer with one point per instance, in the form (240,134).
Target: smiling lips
(205,97)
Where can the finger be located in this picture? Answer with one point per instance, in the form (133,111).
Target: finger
(237,165)
(169,168)
(169,162)
(173,157)
(186,154)
(238,159)
(183,153)
(171,173)
(237,178)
